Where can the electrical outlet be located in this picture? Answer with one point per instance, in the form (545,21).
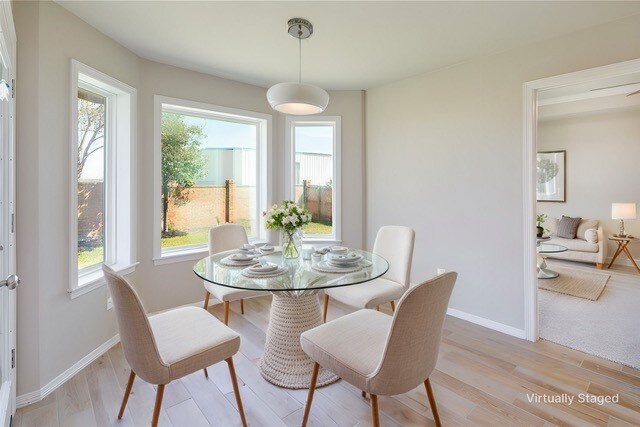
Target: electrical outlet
(109,303)
(441,271)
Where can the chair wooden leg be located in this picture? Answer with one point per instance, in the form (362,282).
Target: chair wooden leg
(432,402)
(312,389)
(326,308)
(241,306)
(364,394)
(226,312)
(206,373)
(156,408)
(127,392)
(374,411)
(206,300)
(377,308)
(234,380)
(393,306)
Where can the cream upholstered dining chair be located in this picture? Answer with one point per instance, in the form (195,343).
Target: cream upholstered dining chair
(395,244)
(169,345)
(380,354)
(222,238)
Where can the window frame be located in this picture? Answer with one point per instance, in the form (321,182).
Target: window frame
(336,212)
(120,214)
(263,176)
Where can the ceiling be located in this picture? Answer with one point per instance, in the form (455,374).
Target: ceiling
(604,95)
(355,45)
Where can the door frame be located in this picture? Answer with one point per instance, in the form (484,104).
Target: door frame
(7,193)
(530,110)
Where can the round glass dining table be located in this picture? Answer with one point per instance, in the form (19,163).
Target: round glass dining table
(295,308)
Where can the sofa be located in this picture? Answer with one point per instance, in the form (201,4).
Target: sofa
(586,247)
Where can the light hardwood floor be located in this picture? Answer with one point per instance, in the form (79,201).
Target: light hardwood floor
(482,378)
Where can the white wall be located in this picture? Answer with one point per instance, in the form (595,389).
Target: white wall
(444,155)
(603,151)
(55,332)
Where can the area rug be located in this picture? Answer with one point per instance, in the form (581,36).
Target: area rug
(577,283)
(607,328)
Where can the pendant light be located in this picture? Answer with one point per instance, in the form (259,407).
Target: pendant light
(298,98)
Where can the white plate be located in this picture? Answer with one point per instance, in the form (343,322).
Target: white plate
(341,250)
(338,265)
(263,268)
(233,263)
(240,256)
(255,275)
(326,267)
(351,258)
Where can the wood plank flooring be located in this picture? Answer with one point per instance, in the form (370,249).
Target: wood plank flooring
(482,378)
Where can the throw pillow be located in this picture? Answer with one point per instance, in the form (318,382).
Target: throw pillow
(551,224)
(585,224)
(567,227)
(591,235)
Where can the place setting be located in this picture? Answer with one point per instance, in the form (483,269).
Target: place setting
(247,255)
(339,259)
(264,270)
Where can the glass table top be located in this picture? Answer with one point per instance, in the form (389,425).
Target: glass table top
(548,248)
(300,276)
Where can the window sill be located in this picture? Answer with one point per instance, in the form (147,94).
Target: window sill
(190,254)
(181,256)
(94,280)
(317,241)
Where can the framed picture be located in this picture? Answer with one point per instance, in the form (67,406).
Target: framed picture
(551,180)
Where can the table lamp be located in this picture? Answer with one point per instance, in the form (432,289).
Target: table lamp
(623,211)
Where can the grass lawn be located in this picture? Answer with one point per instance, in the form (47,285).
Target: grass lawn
(202,235)
(87,258)
(317,228)
(95,256)
(192,237)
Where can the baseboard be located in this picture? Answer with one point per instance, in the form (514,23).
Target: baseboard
(36,396)
(496,326)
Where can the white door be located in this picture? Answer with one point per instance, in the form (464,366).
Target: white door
(8,279)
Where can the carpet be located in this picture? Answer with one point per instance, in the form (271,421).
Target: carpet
(577,283)
(606,328)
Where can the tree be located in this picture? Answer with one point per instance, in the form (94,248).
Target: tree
(91,120)
(182,161)
(90,129)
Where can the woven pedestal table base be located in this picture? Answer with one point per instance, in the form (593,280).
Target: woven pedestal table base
(284,363)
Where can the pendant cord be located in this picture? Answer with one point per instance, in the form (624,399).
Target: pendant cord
(299,60)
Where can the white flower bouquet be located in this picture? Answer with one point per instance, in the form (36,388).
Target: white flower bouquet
(288,217)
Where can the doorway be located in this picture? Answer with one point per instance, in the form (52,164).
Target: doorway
(7,219)
(532,95)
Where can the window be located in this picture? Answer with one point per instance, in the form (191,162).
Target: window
(211,169)
(102,151)
(92,118)
(313,148)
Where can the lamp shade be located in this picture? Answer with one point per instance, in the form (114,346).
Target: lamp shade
(297,98)
(623,211)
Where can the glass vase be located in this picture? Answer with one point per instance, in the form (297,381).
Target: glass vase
(291,243)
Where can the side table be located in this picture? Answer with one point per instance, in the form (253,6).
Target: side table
(623,242)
